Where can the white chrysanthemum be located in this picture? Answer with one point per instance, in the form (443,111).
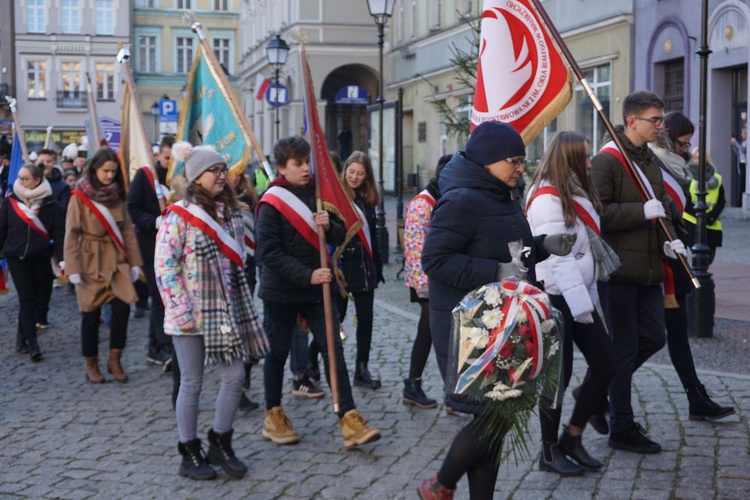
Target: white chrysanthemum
(522,318)
(492,318)
(553,349)
(501,392)
(492,297)
(478,336)
(547,325)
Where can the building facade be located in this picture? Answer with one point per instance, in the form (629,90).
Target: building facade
(667,36)
(164,46)
(58,44)
(7,64)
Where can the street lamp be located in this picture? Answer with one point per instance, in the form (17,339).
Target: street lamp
(276,52)
(155,114)
(381,10)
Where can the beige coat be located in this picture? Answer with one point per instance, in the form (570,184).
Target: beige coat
(91,253)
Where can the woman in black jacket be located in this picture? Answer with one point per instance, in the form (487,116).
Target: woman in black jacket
(32,228)
(467,247)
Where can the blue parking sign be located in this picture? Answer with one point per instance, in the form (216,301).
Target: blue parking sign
(167,110)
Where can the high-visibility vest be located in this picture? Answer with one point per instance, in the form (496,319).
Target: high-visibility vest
(712,198)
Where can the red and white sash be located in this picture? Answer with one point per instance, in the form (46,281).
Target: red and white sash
(249,236)
(611,148)
(364,231)
(105,218)
(25,214)
(163,191)
(425,195)
(295,211)
(674,190)
(583,208)
(196,216)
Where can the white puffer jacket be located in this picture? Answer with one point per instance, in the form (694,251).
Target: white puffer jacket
(572,275)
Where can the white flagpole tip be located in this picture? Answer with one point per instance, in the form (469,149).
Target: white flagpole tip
(123,56)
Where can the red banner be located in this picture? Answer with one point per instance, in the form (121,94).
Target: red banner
(521,77)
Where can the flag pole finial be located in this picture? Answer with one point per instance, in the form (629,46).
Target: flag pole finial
(300,37)
(189,18)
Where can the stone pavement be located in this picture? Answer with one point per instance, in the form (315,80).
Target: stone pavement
(61,437)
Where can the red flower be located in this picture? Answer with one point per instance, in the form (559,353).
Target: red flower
(506,350)
(529,348)
(524,331)
(488,370)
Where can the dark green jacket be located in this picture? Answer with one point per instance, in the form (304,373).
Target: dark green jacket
(637,242)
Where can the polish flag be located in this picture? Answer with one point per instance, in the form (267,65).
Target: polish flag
(261,85)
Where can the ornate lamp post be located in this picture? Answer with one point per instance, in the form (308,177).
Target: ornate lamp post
(276,52)
(381,10)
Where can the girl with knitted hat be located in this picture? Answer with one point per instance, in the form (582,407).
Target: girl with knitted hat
(209,309)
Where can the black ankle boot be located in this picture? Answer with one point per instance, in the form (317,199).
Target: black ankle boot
(21,347)
(414,395)
(220,452)
(363,378)
(702,407)
(573,447)
(553,459)
(247,403)
(194,464)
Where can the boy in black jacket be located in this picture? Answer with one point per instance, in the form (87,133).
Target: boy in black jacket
(290,285)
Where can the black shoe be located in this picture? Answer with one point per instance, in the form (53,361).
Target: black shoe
(167,366)
(305,388)
(553,459)
(363,378)
(702,407)
(194,464)
(247,404)
(572,446)
(414,395)
(220,453)
(313,372)
(157,358)
(35,355)
(139,312)
(635,439)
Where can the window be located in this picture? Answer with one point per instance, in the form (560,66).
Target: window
(36,80)
(674,85)
(105,81)
(436,14)
(413,18)
(184,4)
(220,5)
(221,51)
(147,54)
(71,76)
(145,4)
(105,17)
(587,120)
(35,16)
(71,20)
(400,22)
(184,54)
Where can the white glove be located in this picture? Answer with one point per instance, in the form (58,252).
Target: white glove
(674,247)
(157,223)
(653,209)
(423,292)
(584,318)
(135,272)
(61,265)
(75,279)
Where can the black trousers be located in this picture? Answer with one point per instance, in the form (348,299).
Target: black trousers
(117,331)
(33,281)
(363,307)
(157,339)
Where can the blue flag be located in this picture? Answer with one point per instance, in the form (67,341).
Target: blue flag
(16,161)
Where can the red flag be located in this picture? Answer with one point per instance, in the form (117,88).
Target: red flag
(261,85)
(521,77)
(332,192)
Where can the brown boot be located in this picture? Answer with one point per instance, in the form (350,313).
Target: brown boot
(93,375)
(115,368)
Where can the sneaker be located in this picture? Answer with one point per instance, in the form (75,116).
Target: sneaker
(167,366)
(157,358)
(306,389)
(278,428)
(431,489)
(342,333)
(355,431)
(313,372)
(634,439)
(41,326)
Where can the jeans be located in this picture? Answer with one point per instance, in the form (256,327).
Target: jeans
(190,352)
(280,320)
(635,316)
(118,329)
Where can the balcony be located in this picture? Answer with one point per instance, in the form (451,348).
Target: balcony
(72,99)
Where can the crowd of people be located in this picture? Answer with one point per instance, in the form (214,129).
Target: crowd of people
(194,248)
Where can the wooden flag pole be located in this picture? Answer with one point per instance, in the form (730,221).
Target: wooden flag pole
(327,306)
(94,117)
(197,28)
(19,129)
(610,128)
(48,139)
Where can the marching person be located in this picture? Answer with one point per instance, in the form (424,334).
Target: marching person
(102,259)
(562,199)
(467,247)
(291,285)
(209,309)
(416,226)
(32,227)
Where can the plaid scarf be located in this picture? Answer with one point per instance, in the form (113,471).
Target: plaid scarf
(231,328)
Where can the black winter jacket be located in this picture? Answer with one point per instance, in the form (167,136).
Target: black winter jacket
(60,189)
(17,239)
(143,205)
(285,258)
(361,271)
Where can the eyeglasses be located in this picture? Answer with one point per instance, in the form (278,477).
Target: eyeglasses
(516,162)
(684,145)
(218,170)
(655,120)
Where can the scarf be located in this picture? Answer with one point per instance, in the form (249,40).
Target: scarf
(108,195)
(606,260)
(32,198)
(711,180)
(231,328)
